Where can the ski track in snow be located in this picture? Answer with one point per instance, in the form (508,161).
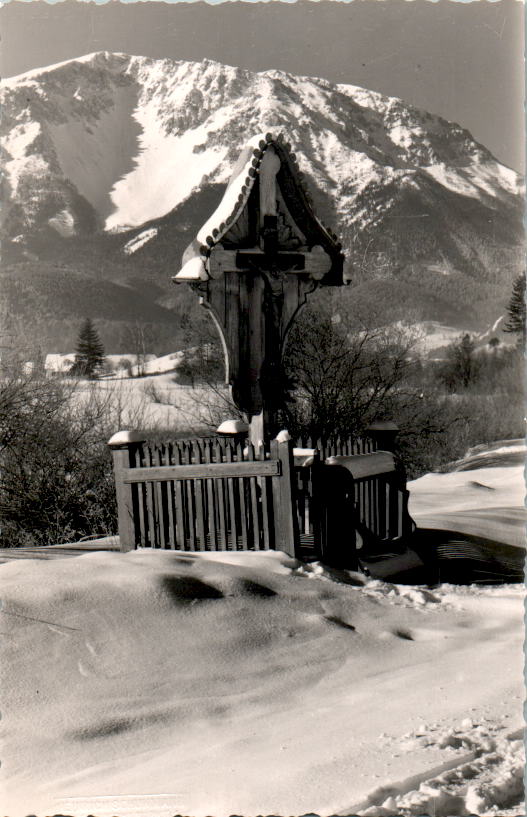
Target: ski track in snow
(484,779)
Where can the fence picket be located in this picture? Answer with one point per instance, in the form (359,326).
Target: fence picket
(233,527)
(180,535)
(161,500)
(400,511)
(367,490)
(302,503)
(219,485)
(201,511)
(242,488)
(373,512)
(364,502)
(150,500)
(375,508)
(188,502)
(141,490)
(211,503)
(315,509)
(255,507)
(266,505)
(170,542)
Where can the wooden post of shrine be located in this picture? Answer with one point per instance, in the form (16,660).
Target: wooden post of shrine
(254,263)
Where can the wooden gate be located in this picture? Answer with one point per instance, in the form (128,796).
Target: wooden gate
(349,497)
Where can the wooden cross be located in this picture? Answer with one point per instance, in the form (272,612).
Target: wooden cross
(256,272)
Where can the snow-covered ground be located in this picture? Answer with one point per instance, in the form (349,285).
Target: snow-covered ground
(154,401)
(482,495)
(159,682)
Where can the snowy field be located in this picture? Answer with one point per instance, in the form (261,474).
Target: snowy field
(153,401)
(162,683)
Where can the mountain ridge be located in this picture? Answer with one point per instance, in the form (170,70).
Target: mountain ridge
(110,150)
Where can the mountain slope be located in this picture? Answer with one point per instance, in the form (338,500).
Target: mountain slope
(113,162)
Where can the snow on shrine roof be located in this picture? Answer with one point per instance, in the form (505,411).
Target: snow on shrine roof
(235,199)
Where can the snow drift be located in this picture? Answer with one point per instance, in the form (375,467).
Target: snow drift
(481,495)
(161,682)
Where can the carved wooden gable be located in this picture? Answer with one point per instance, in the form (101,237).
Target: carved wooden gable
(265,185)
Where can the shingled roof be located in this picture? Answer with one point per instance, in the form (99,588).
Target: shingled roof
(296,197)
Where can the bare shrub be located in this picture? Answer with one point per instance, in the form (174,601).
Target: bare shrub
(341,373)
(155,394)
(202,408)
(443,425)
(56,474)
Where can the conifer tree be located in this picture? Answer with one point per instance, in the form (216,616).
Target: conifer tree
(89,354)
(516,309)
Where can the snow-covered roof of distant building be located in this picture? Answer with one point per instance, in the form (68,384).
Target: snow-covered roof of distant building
(58,362)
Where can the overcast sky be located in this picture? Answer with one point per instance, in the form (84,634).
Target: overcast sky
(463,61)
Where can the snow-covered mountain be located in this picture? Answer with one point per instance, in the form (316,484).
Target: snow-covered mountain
(126,156)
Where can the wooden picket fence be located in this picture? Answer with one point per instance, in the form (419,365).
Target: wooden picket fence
(204,494)
(338,446)
(220,494)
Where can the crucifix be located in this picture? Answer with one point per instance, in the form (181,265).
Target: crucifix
(253,264)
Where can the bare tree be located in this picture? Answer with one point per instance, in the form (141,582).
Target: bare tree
(461,368)
(345,373)
(138,339)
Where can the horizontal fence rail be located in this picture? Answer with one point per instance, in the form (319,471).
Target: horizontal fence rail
(164,473)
